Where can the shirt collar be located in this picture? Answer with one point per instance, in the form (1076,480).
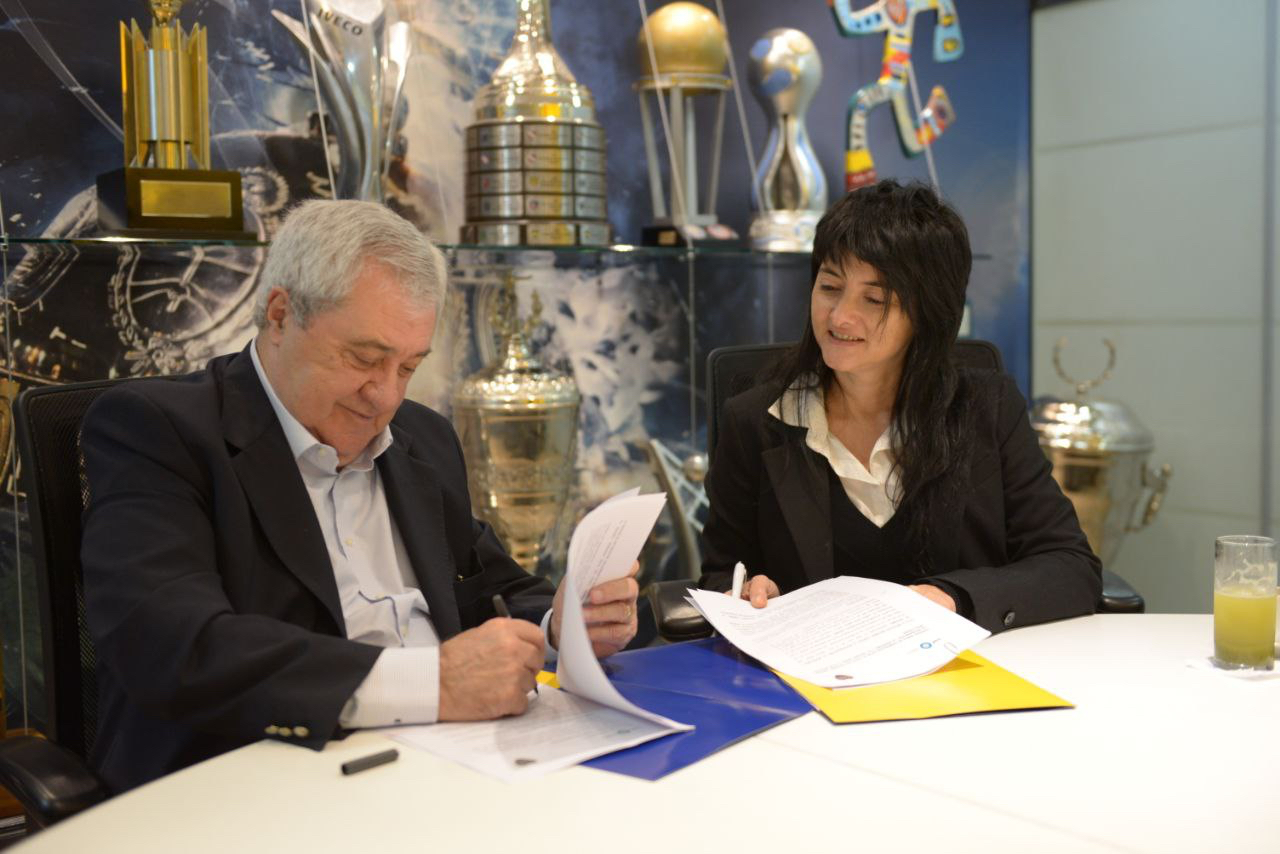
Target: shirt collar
(304,446)
(811,414)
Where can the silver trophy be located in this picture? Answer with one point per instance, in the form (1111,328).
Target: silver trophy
(789,190)
(1099,451)
(360,54)
(535,154)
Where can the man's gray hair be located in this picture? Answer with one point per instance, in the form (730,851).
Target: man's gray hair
(324,245)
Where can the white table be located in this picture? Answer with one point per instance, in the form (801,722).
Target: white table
(1156,757)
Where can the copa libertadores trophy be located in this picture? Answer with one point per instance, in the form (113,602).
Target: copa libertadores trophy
(361,54)
(166,186)
(789,190)
(682,52)
(535,154)
(518,424)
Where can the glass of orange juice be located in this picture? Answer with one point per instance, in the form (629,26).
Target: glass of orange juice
(1244,602)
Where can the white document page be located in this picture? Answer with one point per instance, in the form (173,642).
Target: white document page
(626,493)
(844,631)
(579,672)
(561,728)
(557,731)
(609,538)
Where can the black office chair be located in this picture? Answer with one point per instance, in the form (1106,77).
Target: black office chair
(732,370)
(50,777)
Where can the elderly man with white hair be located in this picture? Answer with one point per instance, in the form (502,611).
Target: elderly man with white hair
(281,546)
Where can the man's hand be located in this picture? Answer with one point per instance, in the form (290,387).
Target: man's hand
(759,589)
(935,594)
(487,672)
(610,614)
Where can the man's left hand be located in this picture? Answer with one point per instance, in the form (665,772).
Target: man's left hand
(610,614)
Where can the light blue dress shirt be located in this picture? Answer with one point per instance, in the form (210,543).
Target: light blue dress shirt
(380,603)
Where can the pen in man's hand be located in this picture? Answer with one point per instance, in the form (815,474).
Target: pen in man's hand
(500,607)
(373,760)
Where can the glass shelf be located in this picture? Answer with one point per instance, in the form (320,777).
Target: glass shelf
(626,249)
(617,248)
(635,250)
(22,240)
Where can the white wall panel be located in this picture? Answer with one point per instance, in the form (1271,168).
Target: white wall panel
(1171,562)
(1108,69)
(1166,228)
(1275,419)
(1148,229)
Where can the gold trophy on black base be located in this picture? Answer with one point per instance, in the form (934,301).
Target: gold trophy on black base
(683,52)
(166,188)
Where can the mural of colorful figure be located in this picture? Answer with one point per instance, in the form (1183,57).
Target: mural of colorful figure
(896,19)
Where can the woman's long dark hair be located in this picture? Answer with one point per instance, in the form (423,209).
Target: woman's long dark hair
(920,247)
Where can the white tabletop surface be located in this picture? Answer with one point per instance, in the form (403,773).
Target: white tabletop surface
(1157,757)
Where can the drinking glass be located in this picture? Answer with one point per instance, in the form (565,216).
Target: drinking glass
(1244,602)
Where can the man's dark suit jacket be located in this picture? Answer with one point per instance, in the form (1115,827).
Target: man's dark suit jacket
(1015,548)
(209,592)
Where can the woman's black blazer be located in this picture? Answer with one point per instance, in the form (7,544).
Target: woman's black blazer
(1015,546)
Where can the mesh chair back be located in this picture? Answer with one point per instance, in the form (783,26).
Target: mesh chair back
(732,370)
(47,424)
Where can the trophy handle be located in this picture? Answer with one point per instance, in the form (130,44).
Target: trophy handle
(1158,483)
(1082,388)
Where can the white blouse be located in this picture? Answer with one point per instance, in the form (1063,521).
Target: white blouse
(873,489)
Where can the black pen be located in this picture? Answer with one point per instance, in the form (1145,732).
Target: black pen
(373,760)
(500,606)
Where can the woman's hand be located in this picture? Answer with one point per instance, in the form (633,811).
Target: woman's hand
(759,589)
(935,594)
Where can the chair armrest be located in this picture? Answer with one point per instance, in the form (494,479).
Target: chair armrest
(676,619)
(1118,597)
(50,782)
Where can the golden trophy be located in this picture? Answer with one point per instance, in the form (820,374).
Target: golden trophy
(1099,452)
(166,188)
(518,424)
(683,51)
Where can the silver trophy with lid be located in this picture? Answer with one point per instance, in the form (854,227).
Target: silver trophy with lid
(789,190)
(518,424)
(535,154)
(1099,451)
(360,54)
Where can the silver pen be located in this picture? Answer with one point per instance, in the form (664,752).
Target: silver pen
(739,576)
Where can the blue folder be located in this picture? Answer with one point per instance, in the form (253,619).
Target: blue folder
(708,683)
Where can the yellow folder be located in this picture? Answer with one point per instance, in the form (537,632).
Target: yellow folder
(970,683)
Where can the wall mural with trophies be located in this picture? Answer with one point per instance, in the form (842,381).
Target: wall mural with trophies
(510,123)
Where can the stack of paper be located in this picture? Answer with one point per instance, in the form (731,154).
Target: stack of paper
(862,650)
(588,717)
(843,631)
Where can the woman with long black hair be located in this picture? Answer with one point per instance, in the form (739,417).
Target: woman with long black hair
(868,451)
